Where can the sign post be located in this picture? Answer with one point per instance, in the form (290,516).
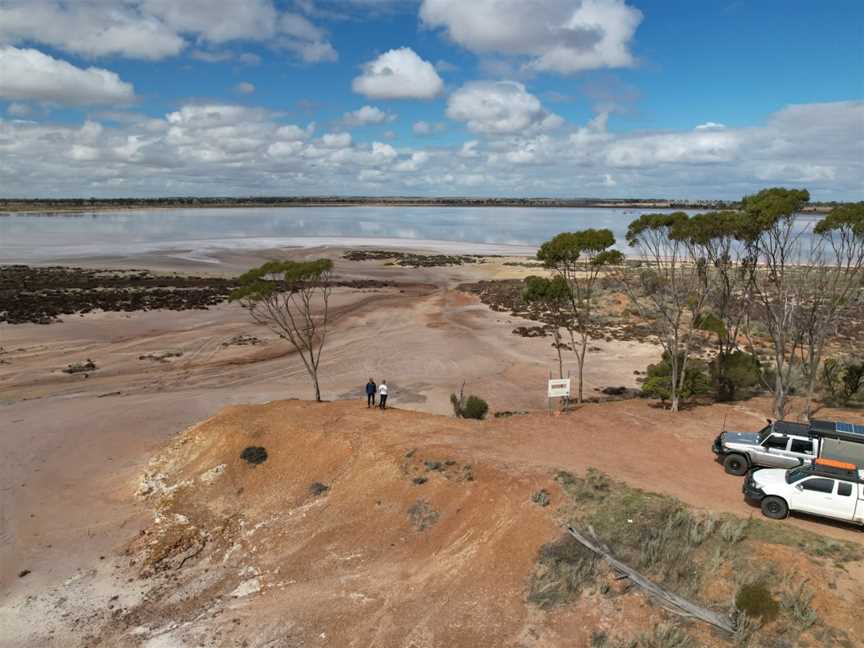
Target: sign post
(558,388)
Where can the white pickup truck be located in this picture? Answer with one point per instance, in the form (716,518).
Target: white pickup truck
(827,488)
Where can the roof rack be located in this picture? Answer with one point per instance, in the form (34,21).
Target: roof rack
(837,430)
(838,470)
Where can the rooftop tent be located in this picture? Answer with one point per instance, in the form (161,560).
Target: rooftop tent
(838,430)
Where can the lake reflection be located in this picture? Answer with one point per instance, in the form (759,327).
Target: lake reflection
(30,238)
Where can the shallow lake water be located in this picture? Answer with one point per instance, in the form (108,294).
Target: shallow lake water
(198,233)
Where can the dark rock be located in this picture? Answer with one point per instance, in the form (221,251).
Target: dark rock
(23,573)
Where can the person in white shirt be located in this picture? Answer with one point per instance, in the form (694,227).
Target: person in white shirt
(382,395)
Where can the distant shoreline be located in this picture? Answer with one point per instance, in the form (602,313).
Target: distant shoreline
(77,206)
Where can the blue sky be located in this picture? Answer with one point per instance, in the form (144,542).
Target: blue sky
(491,97)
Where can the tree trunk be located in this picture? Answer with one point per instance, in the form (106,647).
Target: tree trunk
(557,337)
(779,398)
(317,388)
(674,387)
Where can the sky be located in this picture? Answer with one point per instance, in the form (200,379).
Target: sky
(570,98)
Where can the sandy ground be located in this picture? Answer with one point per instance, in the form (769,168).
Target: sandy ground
(73,447)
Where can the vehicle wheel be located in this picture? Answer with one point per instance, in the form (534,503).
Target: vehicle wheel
(774,508)
(735,464)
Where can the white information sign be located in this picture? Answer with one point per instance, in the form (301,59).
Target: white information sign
(559,388)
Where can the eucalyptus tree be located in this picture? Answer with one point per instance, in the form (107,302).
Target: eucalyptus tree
(713,237)
(838,279)
(579,258)
(781,278)
(553,297)
(292,299)
(669,287)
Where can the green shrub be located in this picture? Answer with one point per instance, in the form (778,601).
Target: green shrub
(472,407)
(658,380)
(735,372)
(755,600)
(841,380)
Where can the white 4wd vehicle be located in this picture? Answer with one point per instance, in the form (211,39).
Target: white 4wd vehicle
(831,489)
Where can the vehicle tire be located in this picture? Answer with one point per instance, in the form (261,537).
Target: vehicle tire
(774,508)
(736,464)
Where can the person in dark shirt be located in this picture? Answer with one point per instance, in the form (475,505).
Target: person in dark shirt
(371,390)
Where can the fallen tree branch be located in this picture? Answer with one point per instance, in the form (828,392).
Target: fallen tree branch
(670,601)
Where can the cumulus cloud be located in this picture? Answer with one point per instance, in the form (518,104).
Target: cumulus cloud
(367,115)
(563,36)
(155,29)
(28,74)
(244,87)
(426,128)
(399,74)
(499,107)
(230,149)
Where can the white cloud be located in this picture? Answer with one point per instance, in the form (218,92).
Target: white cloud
(218,149)
(155,29)
(556,35)
(499,107)
(417,159)
(710,126)
(336,140)
(244,87)
(89,28)
(367,115)
(399,74)
(30,75)
(18,110)
(427,128)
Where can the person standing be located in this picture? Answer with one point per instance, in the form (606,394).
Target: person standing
(382,395)
(371,390)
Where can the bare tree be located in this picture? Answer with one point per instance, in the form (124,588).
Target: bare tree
(837,276)
(292,299)
(780,279)
(578,258)
(669,287)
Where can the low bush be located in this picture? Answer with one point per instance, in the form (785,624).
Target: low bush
(755,600)
(472,407)
(658,380)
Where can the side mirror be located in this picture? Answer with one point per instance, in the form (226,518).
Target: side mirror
(799,487)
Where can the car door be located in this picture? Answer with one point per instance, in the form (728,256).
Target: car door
(801,451)
(843,503)
(814,495)
(772,453)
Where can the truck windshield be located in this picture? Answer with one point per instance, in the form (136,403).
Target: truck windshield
(797,474)
(764,433)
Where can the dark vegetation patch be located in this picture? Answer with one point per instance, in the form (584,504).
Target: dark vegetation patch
(564,568)
(254,455)
(41,295)
(541,497)
(161,356)
(242,340)
(422,515)
(509,413)
(412,260)
(756,601)
(317,488)
(419,469)
(80,367)
(506,296)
